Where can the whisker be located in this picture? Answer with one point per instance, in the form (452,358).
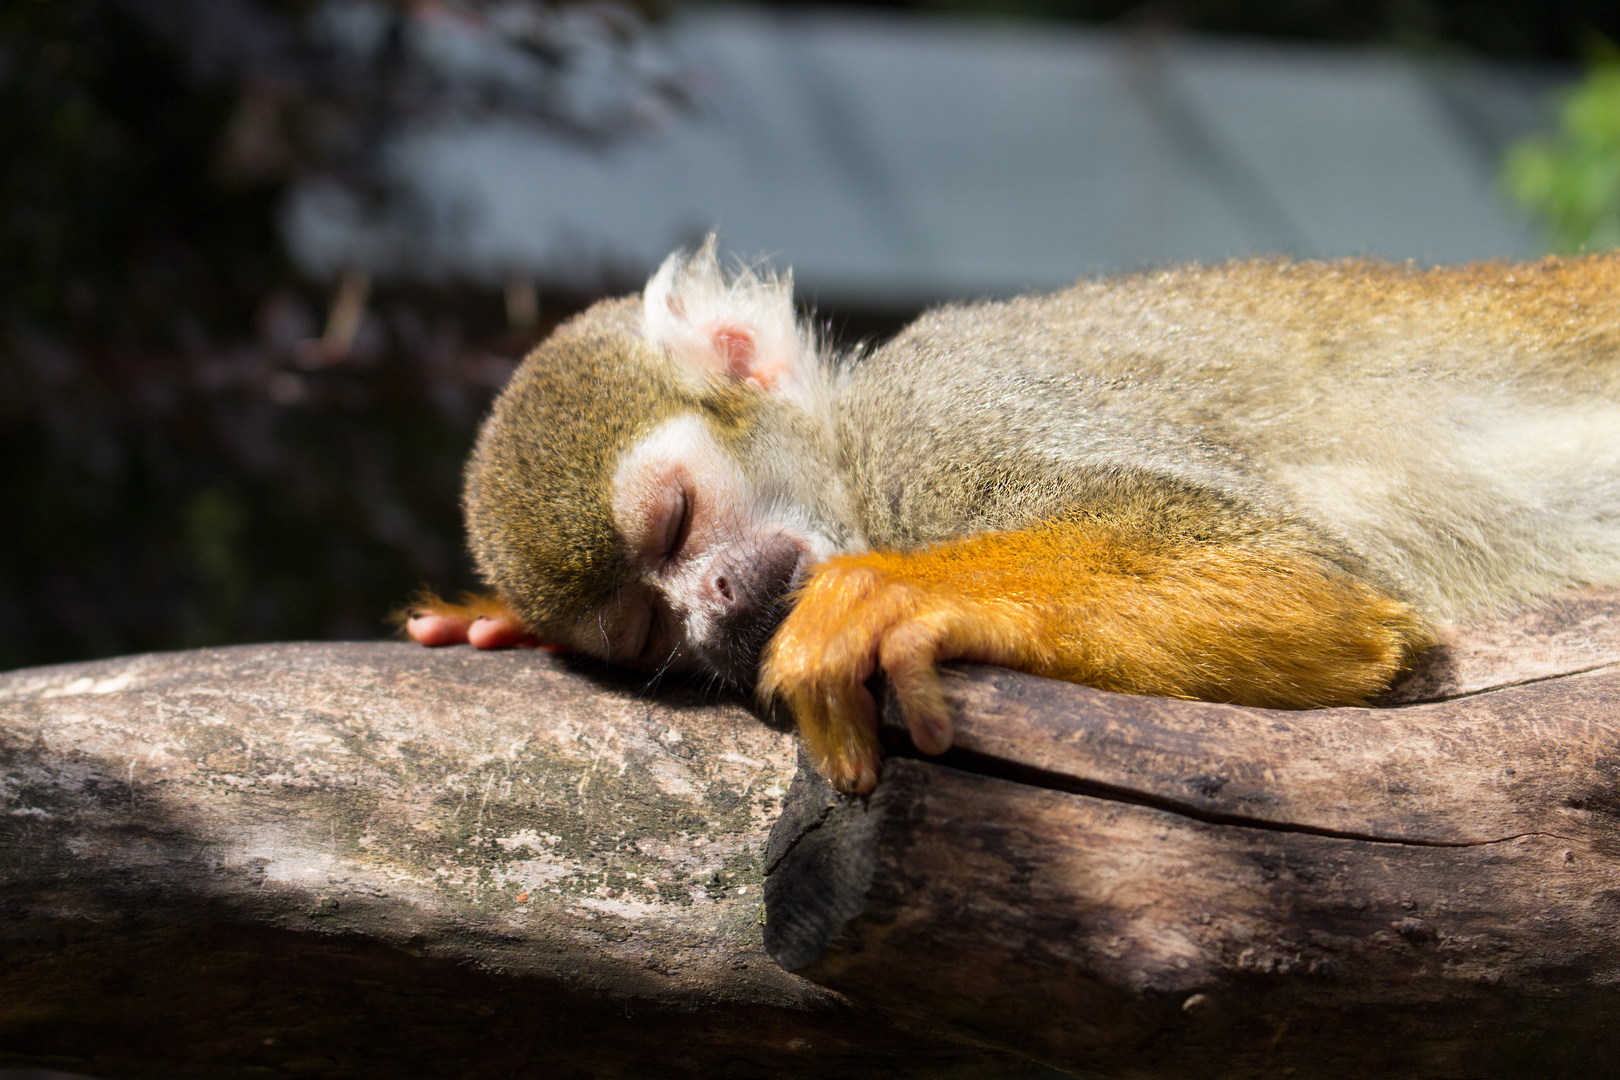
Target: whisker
(658,676)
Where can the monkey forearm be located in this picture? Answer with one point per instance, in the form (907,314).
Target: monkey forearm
(1136,613)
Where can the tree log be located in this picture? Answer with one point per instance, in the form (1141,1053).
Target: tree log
(338,859)
(1135,887)
(375,859)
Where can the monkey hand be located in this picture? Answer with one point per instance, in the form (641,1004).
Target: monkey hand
(1101,605)
(860,612)
(482,621)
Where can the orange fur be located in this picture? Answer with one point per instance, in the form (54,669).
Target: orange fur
(1084,602)
(470,606)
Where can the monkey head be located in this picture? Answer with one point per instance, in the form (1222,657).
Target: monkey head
(660,474)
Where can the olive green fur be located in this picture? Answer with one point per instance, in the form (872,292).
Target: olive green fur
(537,493)
(536,498)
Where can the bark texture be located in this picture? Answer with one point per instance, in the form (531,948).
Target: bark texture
(375,859)
(1135,887)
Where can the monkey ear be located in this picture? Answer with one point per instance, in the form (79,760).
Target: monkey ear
(742,328)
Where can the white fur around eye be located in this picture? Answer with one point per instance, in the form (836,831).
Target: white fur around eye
(679,456)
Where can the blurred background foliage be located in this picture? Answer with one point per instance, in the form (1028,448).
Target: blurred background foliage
(1570,180)
(198,445)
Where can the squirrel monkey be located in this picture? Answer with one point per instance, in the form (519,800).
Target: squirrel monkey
(1261,482)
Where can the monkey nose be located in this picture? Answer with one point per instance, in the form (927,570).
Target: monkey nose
(751,594)
(751,582)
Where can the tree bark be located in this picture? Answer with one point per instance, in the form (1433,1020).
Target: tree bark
(1136,887)
(376,859)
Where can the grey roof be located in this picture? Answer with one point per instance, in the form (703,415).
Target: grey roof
(892,160)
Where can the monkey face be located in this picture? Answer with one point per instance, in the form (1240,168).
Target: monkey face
(714,551)
(659,476)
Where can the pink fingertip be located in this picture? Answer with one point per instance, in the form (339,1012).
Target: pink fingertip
(931,735)
(498,633)
(866,781)
(436,630)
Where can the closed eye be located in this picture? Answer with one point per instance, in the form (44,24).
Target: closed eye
(677,523)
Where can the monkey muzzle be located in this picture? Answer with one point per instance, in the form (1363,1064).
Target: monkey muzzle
(752,590)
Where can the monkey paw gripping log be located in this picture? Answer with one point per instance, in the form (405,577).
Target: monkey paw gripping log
(852,618)
(1103,605)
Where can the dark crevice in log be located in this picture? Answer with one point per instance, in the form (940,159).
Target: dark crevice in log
(1509,684)
(810,798)
(830,878)
(980,764)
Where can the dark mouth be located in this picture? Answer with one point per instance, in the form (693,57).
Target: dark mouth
(742,639)
(743,634)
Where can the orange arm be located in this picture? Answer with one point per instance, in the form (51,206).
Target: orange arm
(1252,623)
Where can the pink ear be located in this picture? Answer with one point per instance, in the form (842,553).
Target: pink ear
(740,328)
(734,345)
(735,348)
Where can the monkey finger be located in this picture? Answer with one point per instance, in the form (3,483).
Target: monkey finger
(854,743)
(945,629)
(498,632)
(839,728)
(850,757)
(849,648)
(909,653)
(435,630)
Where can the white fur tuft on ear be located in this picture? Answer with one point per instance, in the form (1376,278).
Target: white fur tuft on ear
(737,326)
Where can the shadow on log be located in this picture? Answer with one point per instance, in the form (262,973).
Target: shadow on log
(380,860)
(1136,887)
